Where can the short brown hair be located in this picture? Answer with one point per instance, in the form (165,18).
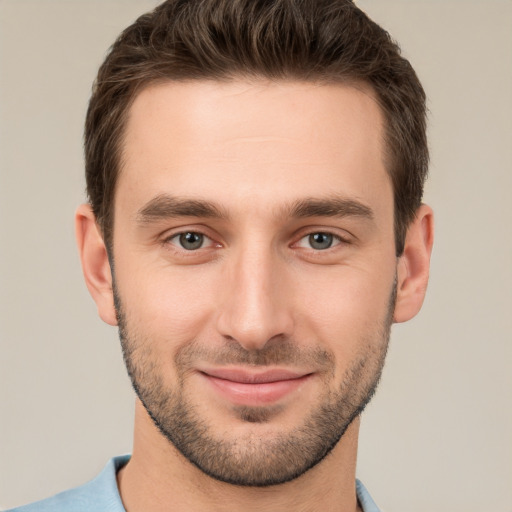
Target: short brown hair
(306,40)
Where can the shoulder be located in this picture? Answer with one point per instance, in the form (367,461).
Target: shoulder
(364,498)
(98,495)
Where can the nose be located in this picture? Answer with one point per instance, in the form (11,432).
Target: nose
(255,309)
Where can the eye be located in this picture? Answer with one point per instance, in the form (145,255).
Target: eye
(190,240)
(319,241)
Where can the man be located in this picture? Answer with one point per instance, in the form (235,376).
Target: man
(255,173)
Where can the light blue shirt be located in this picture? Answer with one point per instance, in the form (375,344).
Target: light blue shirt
(102,495)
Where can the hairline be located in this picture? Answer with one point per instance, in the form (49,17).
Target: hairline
(365,86)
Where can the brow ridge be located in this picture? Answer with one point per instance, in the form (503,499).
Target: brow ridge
(335,206)
(165,206)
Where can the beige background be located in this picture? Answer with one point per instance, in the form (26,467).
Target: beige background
(437,437)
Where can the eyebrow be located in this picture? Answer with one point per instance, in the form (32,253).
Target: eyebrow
(334,206)
(165,206)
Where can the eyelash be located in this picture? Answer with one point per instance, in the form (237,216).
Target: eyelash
(336,241)
(168,240)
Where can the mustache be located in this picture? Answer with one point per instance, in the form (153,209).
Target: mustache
(276,352)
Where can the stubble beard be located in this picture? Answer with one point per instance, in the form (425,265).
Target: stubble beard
(253,459)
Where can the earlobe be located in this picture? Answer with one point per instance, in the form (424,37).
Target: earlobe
(95,263)
(414,265)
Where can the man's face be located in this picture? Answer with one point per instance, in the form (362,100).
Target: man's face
(255,268)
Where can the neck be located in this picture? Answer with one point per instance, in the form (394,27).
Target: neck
(158,478)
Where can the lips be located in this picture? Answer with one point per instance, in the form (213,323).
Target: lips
(244,387)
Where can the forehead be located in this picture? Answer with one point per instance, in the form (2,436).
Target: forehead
(262,142)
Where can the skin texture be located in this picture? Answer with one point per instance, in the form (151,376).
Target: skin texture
(255,169)
(263,455)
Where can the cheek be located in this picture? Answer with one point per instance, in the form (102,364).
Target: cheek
(167,304)
(346,310)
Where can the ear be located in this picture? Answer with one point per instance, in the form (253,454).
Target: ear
(414,265)
(95,264)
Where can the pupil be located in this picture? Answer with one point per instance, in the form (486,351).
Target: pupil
(320,240)
(191,241)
